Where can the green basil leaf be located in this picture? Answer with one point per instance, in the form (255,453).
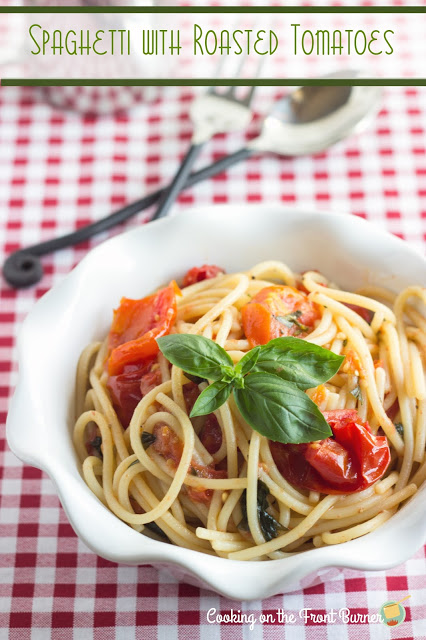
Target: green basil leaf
(268,525)
(96,444)
(400,428)
(247,362)
(152,526)
(304,364)
(279,410)
(262,495)
(291,321)
(196,355)
(357,393)
(147,439)
(211,398)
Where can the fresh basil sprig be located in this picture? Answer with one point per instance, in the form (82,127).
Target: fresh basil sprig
(268,383)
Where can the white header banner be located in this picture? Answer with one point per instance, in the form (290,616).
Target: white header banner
(160,45)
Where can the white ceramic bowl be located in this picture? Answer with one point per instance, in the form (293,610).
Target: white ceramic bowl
(349,250)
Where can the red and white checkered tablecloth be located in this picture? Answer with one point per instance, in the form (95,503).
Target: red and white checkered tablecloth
(59,170)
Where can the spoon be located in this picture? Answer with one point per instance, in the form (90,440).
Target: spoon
(307,121)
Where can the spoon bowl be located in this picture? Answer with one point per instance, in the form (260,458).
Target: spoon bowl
(312,118)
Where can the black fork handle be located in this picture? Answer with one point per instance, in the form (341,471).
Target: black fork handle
(23,268)
(171,193)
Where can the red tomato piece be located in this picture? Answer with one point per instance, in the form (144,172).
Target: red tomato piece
(210,433)
(301,286)
(350,461)
(167,443)
(129,387)
(198,274)
(333,462)
(278,311)
(372,452)
(190,394)
(137,324)
(366,314)
(170,447)
(392,412)
(135,505)
(354,363)
(204,495)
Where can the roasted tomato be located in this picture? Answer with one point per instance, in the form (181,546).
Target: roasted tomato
(199,494)
(210,432)
(393,410)
(353,363)
(129,387)
(350,461)
(198,274)
(190,394)
(135,505)
(278,311)
(170,447)
(366,314)
(137,324)
(301,287)
(167,443)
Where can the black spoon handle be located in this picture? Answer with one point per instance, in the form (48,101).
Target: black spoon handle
(171,193)
(23,268)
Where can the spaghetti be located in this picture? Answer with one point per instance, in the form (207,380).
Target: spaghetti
(212,483)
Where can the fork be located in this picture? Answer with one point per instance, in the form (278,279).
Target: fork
(211,113)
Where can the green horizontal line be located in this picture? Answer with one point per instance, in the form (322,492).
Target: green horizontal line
(210,82)
(223,9)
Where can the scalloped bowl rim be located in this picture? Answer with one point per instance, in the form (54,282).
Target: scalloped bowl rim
(35,412)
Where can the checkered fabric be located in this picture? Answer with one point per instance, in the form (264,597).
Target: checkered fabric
(58,171)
